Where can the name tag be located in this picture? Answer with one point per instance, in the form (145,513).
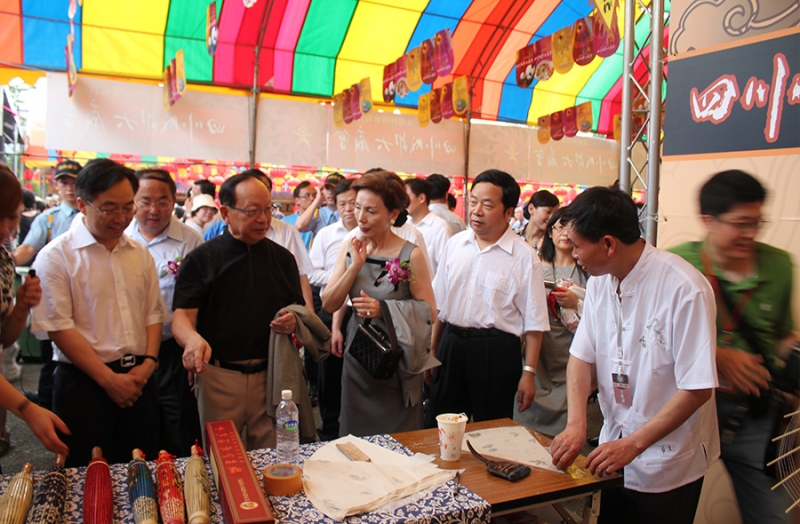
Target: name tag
(622,389)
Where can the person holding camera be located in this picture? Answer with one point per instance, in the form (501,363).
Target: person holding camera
(752,285)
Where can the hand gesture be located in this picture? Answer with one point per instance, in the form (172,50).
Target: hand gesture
(358,251)
(745,370)
(196,355)
(124,389)
(29,294)
(337,343)
(43,424)
(565,298)
(611,456)
(526,391)
(566,446)
(367,307)
(284,324)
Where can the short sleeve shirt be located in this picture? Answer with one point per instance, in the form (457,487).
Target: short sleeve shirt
(62,216)
(313,228)
(238,290)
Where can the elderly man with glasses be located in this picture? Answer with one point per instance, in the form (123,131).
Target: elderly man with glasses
(103,310)
(228,292)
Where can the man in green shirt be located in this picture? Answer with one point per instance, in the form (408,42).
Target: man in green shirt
(752,282)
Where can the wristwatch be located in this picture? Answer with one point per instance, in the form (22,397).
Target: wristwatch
(529,369)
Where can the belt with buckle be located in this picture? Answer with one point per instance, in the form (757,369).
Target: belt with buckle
(246,369)
(127,363)
(474,332)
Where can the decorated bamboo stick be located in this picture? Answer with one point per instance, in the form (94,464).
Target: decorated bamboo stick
(51,495)
(141,491)
(16,500)
(98,497)
(197,488)
(170,490)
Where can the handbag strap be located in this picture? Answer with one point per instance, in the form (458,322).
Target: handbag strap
(729,317)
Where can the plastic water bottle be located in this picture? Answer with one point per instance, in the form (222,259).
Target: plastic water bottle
(288,429)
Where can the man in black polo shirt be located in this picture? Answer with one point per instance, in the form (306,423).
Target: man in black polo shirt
(227,292)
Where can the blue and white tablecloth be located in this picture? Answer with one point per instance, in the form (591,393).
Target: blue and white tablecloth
(435,506)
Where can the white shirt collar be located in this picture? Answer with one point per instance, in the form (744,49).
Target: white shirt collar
(505,242)
(631,281)
(82,237)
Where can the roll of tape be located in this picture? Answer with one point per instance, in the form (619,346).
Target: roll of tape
(282,479)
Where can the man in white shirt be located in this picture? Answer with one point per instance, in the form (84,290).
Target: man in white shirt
(649,328)
(324,251)
(103,310)
(489,291)
(440,186)
(433,228)
(168,241)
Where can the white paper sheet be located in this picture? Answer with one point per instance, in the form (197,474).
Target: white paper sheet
(513,443)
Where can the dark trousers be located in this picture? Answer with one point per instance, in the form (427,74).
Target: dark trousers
(180,421)
(94,419)
(625,506)
(329,379)
(46,375)
(479,376)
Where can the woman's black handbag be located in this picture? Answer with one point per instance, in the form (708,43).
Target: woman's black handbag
(373,348)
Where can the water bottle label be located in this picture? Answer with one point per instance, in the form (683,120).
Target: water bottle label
(290,425)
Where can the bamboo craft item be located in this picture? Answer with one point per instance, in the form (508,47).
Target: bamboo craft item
(17,499)
(197,488)
(141,491)
(170,490)
(51,495)
(98,497)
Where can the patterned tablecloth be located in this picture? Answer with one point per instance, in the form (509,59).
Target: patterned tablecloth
(434,506)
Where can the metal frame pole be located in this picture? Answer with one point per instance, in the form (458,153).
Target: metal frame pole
(654,130)
(627,99)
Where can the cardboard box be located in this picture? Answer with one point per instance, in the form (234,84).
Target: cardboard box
(240,493)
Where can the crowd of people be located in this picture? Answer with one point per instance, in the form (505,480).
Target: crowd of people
(153,326)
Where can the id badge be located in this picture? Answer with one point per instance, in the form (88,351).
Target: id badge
(622,389)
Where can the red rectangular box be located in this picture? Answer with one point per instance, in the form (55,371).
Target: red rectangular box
(240,493)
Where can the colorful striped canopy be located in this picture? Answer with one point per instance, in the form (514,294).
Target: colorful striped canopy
(320,47)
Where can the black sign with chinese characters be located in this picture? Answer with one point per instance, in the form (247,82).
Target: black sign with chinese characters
(742,98)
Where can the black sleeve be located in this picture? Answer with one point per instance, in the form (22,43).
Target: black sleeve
(192,288)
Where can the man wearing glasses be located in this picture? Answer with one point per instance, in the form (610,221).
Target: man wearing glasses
(169,241)
(752,284)
(103,311)
(306,199)
(227,290)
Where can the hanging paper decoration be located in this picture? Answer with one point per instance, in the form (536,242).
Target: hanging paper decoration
(424,110)
(72,71)
(249,3)
(167,90)
(413,69)
(444,52)
(543,130)
(212,31)
(180,75)
(428,61)
(585,117)
(400,82)
(526,65)
(73,10)
(338,116)
(618,127)
(562,50)
(388,83)
(460,95)
(355,101)
(447,101)
(347,108)
(543,58)
(607,10)
(557,125)
(582,42)
(173,78)
(436,105)
(606,41)
(366,95)
(570,122)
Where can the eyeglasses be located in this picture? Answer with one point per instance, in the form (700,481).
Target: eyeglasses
(158,204)
(251,213)
(309,195)
(116,212)
(744,227)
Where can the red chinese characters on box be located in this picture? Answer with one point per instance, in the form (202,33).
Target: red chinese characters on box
(240,493)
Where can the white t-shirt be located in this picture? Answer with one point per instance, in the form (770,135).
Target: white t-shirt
(287,236)
(668,339)
(324,251)
(500,286)
(109,297)
(436,233)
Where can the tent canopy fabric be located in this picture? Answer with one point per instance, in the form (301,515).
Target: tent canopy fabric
(320,47)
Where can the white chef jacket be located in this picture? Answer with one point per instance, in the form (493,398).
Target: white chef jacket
(174,242)
(109,297)
(436,233)
(668,339)
(500,286)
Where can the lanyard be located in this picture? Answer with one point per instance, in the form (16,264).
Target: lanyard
(727,319)
(618,319)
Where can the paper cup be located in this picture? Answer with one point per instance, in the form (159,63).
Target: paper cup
(451,433)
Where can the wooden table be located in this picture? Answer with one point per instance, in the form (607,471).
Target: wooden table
(540,487)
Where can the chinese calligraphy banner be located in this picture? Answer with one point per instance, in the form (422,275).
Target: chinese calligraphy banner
(127,117)
(736,99)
